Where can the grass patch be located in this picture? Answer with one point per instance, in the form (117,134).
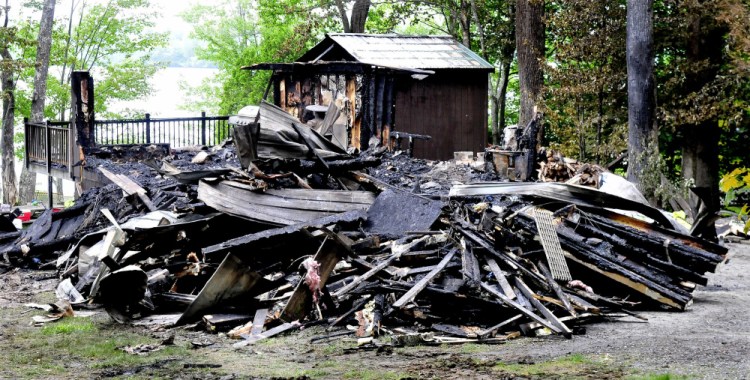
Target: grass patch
(69,326)
(72,346)
(571,366)
(659,376)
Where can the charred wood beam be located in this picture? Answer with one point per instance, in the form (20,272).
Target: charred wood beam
(633,251)
(409,296)
(581,253)
(543,309)
(509,261)
(520,308)
(679,252)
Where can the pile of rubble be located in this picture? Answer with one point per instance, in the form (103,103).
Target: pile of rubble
(384,244)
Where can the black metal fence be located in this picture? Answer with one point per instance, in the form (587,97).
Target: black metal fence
(178,132)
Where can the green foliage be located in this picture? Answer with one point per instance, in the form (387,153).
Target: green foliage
(112,40)
(736,188)
(587,93)
(244,32)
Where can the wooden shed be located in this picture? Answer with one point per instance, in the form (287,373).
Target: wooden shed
(425,85)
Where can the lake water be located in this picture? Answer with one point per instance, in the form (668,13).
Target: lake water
(168,98)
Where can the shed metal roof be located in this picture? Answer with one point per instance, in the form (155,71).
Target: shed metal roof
(399,51)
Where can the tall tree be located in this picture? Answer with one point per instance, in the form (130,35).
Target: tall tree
(360,9)
(10,192)
(44,44)
(530,30)
(356,23)
(642,128)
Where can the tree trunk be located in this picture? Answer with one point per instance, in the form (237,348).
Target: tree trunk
(642,129)
(530,48)
(10,191)
(27,183)
(8,87)
(342,14)
(465,21)
(499,104)
(700,141)
(44,43)
(360,9)
(26,186)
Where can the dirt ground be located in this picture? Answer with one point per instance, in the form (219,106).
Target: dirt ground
(711,340)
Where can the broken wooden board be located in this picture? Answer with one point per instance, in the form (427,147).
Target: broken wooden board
(397,212)
(280,207)
(231,280)
(280,235)
(331,252)
(419,286)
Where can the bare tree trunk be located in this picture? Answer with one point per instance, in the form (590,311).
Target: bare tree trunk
(642,129)
(26,186)
(360,9)
(465,21)
(480,28)
(499,104)
(44,44)
(700,141)
(342,14)
(10,191)
(531,53)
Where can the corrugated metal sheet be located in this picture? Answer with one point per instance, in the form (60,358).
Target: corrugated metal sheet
(419,52)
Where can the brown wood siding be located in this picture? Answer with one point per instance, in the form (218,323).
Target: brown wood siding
(450,106)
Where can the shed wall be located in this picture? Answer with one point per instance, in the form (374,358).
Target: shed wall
(450,106)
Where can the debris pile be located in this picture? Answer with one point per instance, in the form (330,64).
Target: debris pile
(381,243)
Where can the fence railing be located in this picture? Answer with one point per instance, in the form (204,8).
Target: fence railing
(47,143)
(178,132)
(50,144)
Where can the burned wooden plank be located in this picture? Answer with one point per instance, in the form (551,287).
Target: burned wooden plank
(637,252)
(409,296)
(501,279)
(365,276)
(251,339)
(310,146)
(219,322)
(331,251)
(279,234)
(678,252)
(259,320)
(470,267)
(511,262)
(485,333)
(231,280)
(543,309)
(557,289)
(520,308)
(576,250)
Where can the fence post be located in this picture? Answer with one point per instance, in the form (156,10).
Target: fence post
(203,128)
(26,137)
(49,162)
(148,128)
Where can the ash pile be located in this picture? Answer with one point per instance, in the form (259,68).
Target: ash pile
(258,239)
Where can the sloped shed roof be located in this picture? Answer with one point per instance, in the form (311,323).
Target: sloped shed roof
(397,51)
